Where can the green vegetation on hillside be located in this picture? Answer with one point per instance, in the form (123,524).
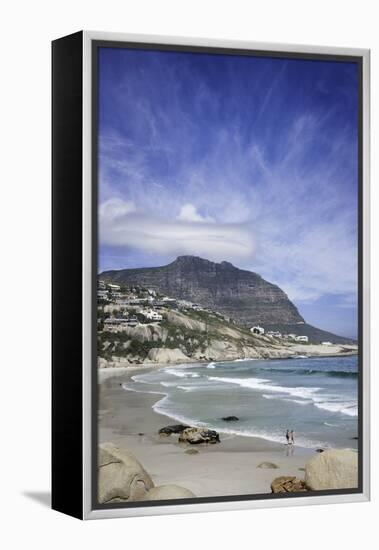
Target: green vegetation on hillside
(191,331)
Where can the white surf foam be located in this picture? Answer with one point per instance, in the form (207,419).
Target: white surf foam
(345,407)
(182,373)
(261,384)
(300,402)
(128,388)
(331,425)
(284,398)
(144,378)
(307,395)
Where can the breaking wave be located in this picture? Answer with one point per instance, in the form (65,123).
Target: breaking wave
(307,395)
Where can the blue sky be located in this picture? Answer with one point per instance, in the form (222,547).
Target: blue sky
(252,160)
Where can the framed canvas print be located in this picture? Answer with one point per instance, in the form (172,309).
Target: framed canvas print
(210,275)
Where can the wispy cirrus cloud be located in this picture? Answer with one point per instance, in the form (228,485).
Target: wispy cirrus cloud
(244,159)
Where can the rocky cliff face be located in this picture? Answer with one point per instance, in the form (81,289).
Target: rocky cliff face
(242,295)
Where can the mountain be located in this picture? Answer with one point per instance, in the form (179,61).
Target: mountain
(239,294)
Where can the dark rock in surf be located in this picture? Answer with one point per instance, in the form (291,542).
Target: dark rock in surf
(230,418)
(174,429)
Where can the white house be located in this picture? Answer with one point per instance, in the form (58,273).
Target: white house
(326,343)
(257,330)
(302,338)
(102,294)
(136,301)
(274,333)
(118,325)
(152,315)
(114,288)
(185,304)
(114,325)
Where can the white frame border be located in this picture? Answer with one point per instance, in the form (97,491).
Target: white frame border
(88,512)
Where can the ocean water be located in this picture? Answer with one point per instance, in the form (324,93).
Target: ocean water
(315,397)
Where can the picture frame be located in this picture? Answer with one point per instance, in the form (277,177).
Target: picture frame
(79,102)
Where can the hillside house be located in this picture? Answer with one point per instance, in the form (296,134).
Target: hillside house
(259,331)
(274,333)
(119,324)
(102,295)
(114,288)
(184,304)
(111,321)
(169,302)
(152,315)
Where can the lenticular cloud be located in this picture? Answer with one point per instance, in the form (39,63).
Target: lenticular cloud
(122,224)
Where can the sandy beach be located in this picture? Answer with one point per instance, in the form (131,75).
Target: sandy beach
(127,420)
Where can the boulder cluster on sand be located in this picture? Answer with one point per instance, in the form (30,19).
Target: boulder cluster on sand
(331,469)
(192,435)
(288,484)
(121,478)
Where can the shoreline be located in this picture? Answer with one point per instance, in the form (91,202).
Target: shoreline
(124,365)
(127,419)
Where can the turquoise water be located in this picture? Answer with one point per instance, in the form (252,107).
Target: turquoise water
(315,397)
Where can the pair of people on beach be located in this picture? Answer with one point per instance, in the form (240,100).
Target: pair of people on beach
(290,437)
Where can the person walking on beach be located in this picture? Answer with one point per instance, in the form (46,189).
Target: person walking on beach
(288,437)
(292,438)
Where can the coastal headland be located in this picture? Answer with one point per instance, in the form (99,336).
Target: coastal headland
(198,312)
